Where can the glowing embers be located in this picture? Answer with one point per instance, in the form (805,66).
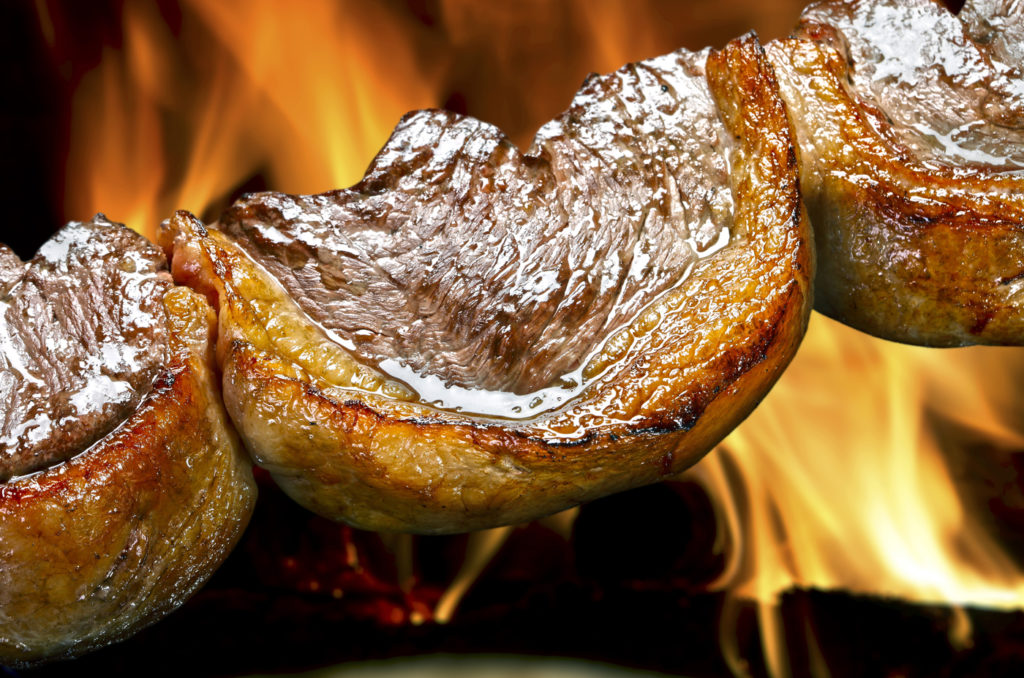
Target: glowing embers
(514,56)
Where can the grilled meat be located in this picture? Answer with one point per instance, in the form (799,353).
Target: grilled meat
(84,333)
(910,125)
(474,336)
(123,484)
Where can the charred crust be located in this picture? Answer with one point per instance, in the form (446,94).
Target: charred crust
(1006,280)
(165,380)
(667,462)
(744,85)
(490,435)
(136,478)
(887,194)
(565,443)
(420,421)
(791,160)
(681,421)
(221,267)
(736,365)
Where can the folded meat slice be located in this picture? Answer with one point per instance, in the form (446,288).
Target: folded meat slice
(474,336)
(123,485)
(80,345)
(910,126)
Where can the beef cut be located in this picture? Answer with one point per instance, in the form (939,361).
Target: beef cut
(122,485)
(473,335)
(910,125)
(83,333)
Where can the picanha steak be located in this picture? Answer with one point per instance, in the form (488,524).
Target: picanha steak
(122,484)
(910,125)
(474,336)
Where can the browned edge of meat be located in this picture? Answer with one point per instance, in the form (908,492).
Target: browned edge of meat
(83,333)
(908,250)
(97,547)
(390,464)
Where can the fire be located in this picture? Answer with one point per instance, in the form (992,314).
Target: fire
(839,480)
(181,117)
(843,484)
(197,102)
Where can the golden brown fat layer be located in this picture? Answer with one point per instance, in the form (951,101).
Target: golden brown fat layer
(96,548)
(723,338)
(906,252)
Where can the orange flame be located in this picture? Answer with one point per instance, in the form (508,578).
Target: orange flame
(244,89)
(836,481)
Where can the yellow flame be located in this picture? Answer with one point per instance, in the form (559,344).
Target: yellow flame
(482,547)
(303,99)
(836,481)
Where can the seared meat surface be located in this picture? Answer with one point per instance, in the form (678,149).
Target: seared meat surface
(474,336)
(952,99)
(910,123)
(998,26)
(83,332)
(493,269)
(123,485)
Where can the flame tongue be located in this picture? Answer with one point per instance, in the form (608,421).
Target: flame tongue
(836,481)
(182,118)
